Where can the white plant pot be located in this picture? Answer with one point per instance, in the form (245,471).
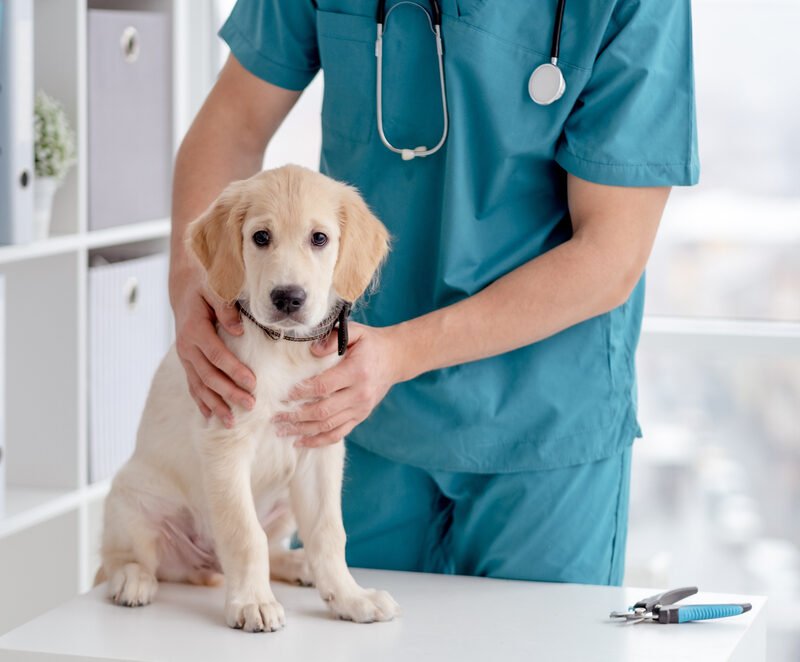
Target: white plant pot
(44,190)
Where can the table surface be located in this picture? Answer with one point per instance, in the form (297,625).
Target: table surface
(443,618)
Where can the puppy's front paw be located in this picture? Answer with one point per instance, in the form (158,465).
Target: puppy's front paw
(132,586)
(365,606)
(266,616)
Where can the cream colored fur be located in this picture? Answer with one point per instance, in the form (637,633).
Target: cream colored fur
(196,498)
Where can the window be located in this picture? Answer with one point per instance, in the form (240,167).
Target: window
(731,246)
(716,480)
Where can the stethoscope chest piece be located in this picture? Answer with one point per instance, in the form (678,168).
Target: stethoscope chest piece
(546,84)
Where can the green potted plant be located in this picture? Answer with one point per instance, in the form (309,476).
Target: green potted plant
(54,151)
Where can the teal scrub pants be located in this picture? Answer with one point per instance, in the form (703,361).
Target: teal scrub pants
(556,525)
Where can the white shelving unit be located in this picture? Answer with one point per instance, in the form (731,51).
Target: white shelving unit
(50,529)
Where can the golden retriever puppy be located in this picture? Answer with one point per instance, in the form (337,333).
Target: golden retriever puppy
(290,246)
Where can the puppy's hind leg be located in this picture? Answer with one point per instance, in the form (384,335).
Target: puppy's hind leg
(291,566)
(130,551)
(286,565)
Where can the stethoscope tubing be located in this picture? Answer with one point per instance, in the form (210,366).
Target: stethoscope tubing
(545,85)
(556,43)
(436,12)
(435,22)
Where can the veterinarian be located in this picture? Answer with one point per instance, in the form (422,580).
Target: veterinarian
(489,394)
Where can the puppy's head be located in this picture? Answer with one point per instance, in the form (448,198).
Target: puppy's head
(290,242)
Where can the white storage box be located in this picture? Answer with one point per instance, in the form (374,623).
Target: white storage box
(130,116)
(2,395)
(130,329)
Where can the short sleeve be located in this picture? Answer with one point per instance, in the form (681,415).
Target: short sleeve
(275,40)
(634,122)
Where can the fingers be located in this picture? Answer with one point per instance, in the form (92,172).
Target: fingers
(340,399)
(316,427)
(218,382)
(318,410)
(202,406)
(218,354)
(327,346)
(217,379)
(209,383)
(326,438)
(318,417)
(207,401)
(228,317)
(331,343)
(326,383)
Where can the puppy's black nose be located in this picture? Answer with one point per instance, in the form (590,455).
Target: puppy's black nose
(288,299)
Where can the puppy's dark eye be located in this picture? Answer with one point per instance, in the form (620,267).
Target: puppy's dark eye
(319,239)
(261,238)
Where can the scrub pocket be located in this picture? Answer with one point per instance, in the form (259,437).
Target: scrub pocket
(347,54)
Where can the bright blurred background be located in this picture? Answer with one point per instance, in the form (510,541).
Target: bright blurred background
(716,479)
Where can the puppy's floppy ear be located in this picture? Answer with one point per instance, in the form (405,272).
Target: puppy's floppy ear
(363,244)
(216,240)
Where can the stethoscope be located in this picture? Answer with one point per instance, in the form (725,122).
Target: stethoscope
(545,86)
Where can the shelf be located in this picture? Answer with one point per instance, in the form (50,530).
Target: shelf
(127,234)
(50,528)
(26,507)
(123,234)
(49,246)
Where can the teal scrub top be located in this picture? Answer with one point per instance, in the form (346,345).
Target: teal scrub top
(494,197)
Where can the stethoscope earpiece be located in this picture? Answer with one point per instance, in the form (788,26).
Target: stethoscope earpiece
(546,84)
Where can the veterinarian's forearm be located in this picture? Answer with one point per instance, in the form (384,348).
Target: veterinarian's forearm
(563,287)
(592,273)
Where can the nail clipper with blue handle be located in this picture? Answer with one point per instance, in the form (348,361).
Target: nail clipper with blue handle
(661,609)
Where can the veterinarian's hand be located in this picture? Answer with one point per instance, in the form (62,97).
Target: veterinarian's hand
(216,377)
(345,394)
